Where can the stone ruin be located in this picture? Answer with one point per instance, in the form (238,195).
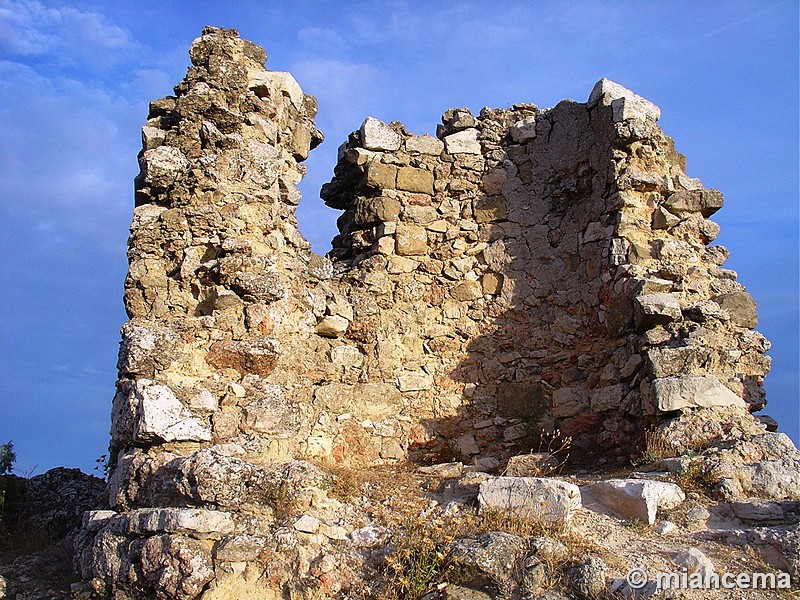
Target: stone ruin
(527,271)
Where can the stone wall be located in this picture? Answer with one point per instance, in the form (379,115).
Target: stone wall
(526,271)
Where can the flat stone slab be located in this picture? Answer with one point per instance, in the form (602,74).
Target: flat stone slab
(534,498)
(638,498)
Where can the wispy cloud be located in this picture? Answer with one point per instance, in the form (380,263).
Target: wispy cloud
(29,28)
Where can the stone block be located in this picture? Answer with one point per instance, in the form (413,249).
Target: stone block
(381,176)
(741,307)
(686,202)
(492,283)
(491,208)
(463,142)
(257,356)
(411,240)
(628,104)
(377,135)
(674,393)
(523,130)
(371,211)
(570,401)
(467,291)
(655,309)
(332,326)
(162,417)
(191,521)
(638,498)
(536,499)
(424,144)
(411,179)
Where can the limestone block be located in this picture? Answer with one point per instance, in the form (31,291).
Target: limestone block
(467,445)
(381,176)
(412,382)
(424,144)
(625,103)
(271,413)
(371,211)
(741,307)
(411,240)
(146,350)
(523,130)
(570,401)
(492,283)
(257,356)
(674,393)
(663,219)
(488,558)
(655,309)
(162,417)
(488,209)
(463,142)
(421,214)
(152,137)
(163,165)
(467,291)
(197,522)
(176,566)
(237,548)
(267,287)
(607,397)
(332,326)
(638,498)
(307,524)
(411,179)
(693,560)
(456,592)
(705,202)
(536,499)
(377,135)
(275,84)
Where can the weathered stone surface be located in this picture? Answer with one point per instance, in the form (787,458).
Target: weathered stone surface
(466,291)
(189,521)
(536,499)
(411,240)
(588,578)
(463,142)
(638,498)
(673,393)
(656,309)
(415,180)
(694,561)
(424,144)
(377,135)
(705,202)
(160,416)
(333,326)
(523,130)
(741,308)
(486,560)
(256,356)
(625,103)
(176,566)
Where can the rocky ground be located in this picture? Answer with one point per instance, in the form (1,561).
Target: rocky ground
(443,531)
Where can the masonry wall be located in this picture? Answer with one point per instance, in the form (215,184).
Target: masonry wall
(526,271)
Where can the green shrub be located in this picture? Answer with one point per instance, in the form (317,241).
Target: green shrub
(7,457)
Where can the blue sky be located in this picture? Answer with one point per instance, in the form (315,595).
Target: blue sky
(76,77)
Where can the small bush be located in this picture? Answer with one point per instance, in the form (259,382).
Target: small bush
(7,457)
(656,447)
(418,563)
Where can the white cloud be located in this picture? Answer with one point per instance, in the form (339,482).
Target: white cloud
(27,28)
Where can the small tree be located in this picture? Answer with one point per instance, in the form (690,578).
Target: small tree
(7,457)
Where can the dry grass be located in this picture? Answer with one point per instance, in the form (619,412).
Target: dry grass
(656,447)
